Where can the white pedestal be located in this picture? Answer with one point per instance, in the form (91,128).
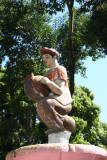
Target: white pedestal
(59,137)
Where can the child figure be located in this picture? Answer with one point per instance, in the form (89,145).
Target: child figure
(53,109)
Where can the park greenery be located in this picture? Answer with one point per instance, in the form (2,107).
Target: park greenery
(26,27)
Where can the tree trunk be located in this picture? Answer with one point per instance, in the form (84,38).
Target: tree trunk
(71,52)
(29,108)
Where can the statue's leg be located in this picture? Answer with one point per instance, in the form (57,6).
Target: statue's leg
(59,108)
(54,115)
(48,115)
(69,123)
(62,111)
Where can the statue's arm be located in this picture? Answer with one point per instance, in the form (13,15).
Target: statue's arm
(56,86)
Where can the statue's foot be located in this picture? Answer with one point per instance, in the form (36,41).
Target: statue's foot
(69,123)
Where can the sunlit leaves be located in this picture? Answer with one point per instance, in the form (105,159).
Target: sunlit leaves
(77,136)
(89,129)
(98,28)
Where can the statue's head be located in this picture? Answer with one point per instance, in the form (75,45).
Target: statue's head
(50,56)
(50,51)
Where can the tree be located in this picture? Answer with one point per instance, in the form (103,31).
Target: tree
(98,28)
(103,138)
(24,30)
(89,130)
(82,51)
(20,39)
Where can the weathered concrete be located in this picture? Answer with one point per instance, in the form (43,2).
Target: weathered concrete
(59,137)
(58,151)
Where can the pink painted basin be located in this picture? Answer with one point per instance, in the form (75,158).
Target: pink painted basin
(57,151)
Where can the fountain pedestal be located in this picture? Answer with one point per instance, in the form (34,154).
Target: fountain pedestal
(59,137)
(58,151)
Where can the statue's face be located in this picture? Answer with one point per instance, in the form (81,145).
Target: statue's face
(48,59)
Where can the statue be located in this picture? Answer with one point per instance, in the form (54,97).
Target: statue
(52,94)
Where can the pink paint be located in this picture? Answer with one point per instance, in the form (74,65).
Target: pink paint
(81,148)
(60,156)
(58,152)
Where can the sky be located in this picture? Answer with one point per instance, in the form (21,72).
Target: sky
(96,81)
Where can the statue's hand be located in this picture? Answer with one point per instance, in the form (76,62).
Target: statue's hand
(45,80)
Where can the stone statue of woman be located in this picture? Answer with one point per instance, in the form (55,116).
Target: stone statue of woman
(52,108)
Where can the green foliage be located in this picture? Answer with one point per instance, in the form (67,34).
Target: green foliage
(103,136)
(98,28)
(40,135)
(18,119)
(24,30)
(82,48)
(87,5)
(89,129)
(77,136)
(52,6)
